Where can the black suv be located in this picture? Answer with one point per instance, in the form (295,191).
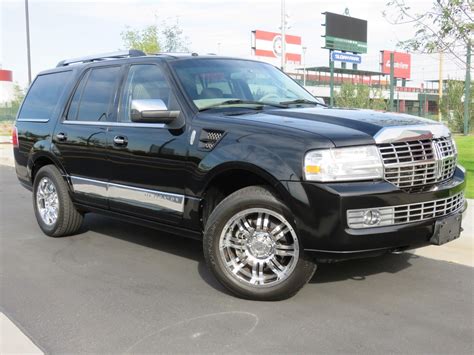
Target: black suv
(236,153)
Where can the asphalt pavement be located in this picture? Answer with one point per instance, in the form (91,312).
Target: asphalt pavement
(121,288)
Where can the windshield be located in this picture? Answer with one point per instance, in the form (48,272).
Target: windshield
(231,82)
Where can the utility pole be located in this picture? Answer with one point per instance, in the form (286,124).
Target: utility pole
(28,41)
(283,36)
(467,89)
(392,80)
(440,85)
(304,66)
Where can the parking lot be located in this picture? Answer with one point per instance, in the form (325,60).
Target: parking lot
(117,287)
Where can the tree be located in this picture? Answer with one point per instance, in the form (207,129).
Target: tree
(145,40)
(173,39)
(452,106)
(360,96)
(153,39)
(446,27)
(18,94)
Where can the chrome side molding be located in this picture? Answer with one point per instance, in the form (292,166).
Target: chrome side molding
(152,199)
(411,133)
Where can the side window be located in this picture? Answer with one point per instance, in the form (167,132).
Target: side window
(94,95)
(144,82)
(44,95)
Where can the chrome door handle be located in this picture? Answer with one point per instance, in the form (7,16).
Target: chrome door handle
(120,141)
(61,136)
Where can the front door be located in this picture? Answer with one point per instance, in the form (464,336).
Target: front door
(147,159)
(80,139)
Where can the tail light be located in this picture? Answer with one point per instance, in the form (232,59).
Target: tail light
(15,137)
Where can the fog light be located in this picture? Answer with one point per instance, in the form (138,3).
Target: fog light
(372,217)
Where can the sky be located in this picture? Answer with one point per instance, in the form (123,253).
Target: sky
(67,29)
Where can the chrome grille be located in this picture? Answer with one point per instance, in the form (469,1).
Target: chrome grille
(415,164)
(408,213)
(426,210)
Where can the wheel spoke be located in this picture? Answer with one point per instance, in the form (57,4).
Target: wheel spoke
(244,227)
(284,250)
(258,277)
(259,221)
(266,221)
(279,231)
(276,267)
(240,265)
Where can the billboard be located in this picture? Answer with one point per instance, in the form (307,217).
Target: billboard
(402,64)
(268,44)
(346,33)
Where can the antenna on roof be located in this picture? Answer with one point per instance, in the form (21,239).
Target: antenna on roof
(103,56)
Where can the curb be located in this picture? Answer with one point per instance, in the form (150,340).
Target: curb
(5,140)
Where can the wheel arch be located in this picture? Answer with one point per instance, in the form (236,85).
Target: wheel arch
(229,177)
(42,158)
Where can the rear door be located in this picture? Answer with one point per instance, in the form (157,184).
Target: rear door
(81,137)
(147,160)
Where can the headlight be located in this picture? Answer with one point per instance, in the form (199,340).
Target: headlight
(343,164)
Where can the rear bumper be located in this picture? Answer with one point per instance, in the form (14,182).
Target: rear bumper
(321,216)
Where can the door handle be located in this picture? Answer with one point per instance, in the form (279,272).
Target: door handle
(120,141)
(61,136)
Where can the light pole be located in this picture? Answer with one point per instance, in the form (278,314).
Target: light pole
(28,41)
(304,66)
(283,35)
(467,88)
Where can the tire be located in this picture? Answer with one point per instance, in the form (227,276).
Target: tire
(242,256)
(54,210)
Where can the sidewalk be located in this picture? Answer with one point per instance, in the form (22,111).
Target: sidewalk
(6,154)
(13,340)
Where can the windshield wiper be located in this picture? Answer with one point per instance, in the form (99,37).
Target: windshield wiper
(302,101)
(239,101)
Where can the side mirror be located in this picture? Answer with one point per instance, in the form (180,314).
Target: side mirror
(151,111)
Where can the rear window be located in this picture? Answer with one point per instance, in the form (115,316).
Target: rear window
(44,95)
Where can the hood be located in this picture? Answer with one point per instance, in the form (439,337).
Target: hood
(344,127)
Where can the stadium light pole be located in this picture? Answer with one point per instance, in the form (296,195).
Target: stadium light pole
(27,17)
(283,36)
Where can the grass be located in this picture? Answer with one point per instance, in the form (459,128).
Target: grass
(465,146)
(6,128)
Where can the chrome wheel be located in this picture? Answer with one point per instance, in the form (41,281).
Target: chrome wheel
(47,201)
(259,246)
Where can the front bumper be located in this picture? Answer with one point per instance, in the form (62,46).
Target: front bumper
(321,216)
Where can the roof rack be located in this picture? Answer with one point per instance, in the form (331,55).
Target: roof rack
(177,54)
(104,56)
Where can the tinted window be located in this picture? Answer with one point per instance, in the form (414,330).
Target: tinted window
(145,82)
(44,95)
(92,100)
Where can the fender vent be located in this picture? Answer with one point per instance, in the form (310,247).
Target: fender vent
(209,139)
